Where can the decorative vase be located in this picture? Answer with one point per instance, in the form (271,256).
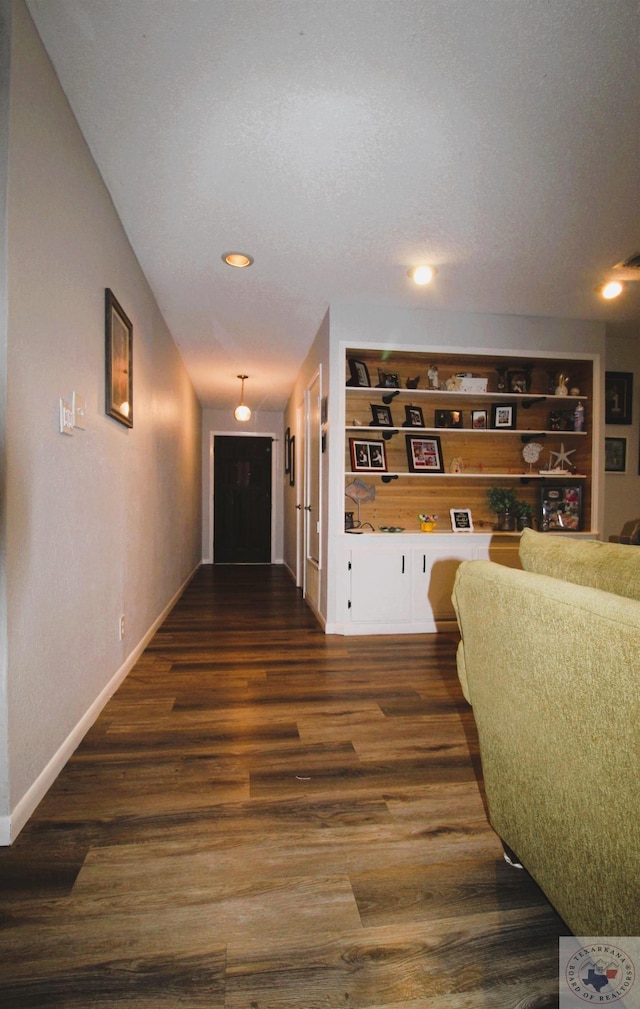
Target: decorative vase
(506,522)
(524,522)
(427,527)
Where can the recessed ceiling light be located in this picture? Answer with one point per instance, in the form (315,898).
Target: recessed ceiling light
(237,259)
(422,274)
(612,289)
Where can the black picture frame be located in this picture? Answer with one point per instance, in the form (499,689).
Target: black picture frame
(615,455)
(118,361)
(479,420)
(618,397)
(367,455)
(359,374)
(413,416)
(518,380)
(388,379)
(381,415)
(560,508)
(287,440)
(503,416)
(448,418)
(424,454)
(292,461)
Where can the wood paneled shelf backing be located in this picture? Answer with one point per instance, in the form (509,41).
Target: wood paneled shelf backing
(472,439)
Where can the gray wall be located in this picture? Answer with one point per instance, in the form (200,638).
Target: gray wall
(106,522)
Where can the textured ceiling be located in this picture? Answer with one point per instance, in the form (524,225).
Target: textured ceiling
(341,142)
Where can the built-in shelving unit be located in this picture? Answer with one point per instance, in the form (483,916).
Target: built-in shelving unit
(441,448)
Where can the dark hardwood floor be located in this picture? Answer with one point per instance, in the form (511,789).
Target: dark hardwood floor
(265,817)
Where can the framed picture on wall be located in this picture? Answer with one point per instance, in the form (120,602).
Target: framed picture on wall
(292,461)
(618,394)
(118,361)
(615,455)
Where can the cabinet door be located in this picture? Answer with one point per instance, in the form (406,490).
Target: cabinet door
(381,586)
(434,571)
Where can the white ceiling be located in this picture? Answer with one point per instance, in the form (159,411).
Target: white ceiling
(341,142)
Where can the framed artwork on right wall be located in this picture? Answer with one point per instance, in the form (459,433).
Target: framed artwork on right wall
(618,396)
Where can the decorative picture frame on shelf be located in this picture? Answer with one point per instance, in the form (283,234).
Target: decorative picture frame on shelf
(479,420)
(381,415)
(388,379)
(424,455)
(358,374)
(448,418)
(561,420)
(615,455)
(503,416)
(518,380)
(367,456)
(413,416)
(118,361)
(287,460)
(560,508)
(618,397)
(461,520)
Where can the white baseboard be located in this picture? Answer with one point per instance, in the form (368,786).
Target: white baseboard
(10,826)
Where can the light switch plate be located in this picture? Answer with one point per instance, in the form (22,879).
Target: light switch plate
(79,411)
(66,417)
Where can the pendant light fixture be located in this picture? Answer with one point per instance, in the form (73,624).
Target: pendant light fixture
(242,411)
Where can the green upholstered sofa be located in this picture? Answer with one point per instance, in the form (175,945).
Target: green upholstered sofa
(549,659)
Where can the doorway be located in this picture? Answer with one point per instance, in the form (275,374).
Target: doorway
(242,500)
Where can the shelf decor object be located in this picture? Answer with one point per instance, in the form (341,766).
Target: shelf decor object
(560,508)
(367,456)
(503,416)
(461,520)
(381,416)
(424,454)
(359,374)
(413,416)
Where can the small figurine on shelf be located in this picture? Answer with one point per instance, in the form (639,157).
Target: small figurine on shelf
(432,376)
(427,523)
(562,386)
(578,417)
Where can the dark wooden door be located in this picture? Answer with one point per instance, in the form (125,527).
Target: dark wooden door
(242,500)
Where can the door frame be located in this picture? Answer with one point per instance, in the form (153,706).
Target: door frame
(208,558)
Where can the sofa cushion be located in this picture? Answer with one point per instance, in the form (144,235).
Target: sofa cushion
(612,567)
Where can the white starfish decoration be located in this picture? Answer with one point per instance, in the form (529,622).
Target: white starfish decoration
(562,457)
